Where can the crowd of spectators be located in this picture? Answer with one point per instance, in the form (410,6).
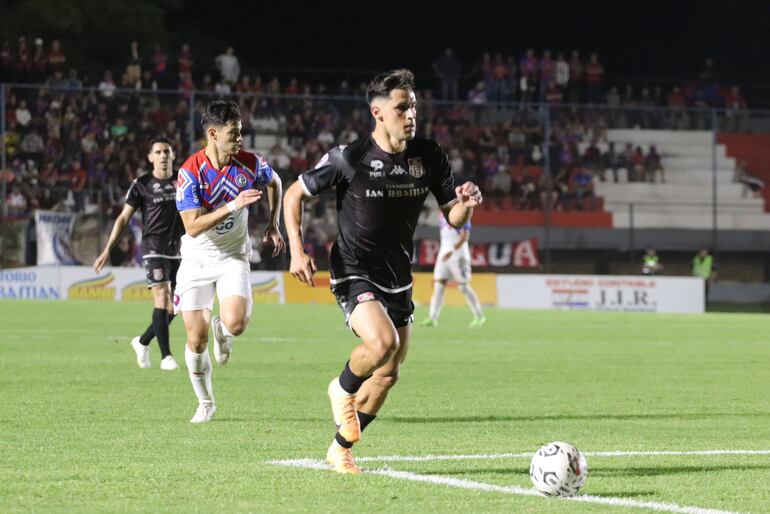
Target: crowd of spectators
(77,143)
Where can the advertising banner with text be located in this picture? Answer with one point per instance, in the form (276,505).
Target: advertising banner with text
(602,293)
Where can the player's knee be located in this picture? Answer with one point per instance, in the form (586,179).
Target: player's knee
(197,344)
(384,346)
(235,325)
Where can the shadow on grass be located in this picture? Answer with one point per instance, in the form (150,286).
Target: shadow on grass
(625,494)
(564,417)
(673,470)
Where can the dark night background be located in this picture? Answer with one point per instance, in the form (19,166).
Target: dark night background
(634,39)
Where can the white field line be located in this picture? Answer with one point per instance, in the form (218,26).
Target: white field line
(652,453)
(521,491)
(480,486)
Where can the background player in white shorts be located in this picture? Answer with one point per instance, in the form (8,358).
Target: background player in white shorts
(453,263)
(214,189)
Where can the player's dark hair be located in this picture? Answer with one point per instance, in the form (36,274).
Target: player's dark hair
(160,139)
(220,112)
(384,83)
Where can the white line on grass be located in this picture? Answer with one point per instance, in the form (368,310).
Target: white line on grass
(653,453)
(521,491)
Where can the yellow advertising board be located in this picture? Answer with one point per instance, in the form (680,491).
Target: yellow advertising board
(265,288)
(93,289)
(485,285)
(137,291)
(297,292)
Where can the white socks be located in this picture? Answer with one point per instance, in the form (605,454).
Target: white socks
(199,367)
(437,300)
(472,299)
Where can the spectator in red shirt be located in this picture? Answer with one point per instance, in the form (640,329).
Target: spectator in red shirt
(6,62)
(675,98)
(49,175)
(57,59)
(498,92)
(244,85)
(39,63)
(77,184)
(159,66)
(185,59)
(293,87)
(676,114)
(547,72)
(736,113)
(553,94)
(576,78)
(594,79)
(22,61)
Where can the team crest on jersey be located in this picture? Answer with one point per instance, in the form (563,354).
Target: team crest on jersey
(416,169)
(240,180)
(157,274)
(155,186)
(376,164)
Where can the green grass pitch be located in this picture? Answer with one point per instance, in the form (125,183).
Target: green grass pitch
(83,429)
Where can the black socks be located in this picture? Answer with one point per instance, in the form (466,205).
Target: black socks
(161,319)
(160,323)
(364,419)
(349,381)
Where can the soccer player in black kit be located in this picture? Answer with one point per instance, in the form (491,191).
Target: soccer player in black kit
(381,182)
(155,195)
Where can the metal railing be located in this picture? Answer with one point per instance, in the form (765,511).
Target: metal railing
(499,145)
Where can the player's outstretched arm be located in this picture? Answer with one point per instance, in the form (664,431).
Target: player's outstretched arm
(468,197)
(272,232)
(302,265)
(117,229)
(196,223)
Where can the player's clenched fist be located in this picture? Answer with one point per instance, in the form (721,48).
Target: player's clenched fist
(468,194)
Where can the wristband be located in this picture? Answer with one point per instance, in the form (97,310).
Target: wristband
(231,206)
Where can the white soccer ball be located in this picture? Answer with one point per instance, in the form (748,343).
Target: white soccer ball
(558,469)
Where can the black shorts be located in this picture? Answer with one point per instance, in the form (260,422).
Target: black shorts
(161,271)
(399,306)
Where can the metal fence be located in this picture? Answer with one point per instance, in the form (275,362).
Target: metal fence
(554,159)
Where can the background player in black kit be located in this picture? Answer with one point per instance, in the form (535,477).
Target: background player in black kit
(155,194)
(382,181)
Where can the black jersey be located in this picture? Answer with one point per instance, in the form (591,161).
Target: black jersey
(379,199)
(163,228)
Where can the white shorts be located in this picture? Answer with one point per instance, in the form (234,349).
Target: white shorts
(196,283)
(457,269)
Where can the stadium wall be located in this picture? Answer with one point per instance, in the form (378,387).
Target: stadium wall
(523,291)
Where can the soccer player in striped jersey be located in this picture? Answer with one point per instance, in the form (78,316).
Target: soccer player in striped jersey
(214,189)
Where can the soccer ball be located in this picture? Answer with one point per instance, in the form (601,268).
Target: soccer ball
(558,469)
